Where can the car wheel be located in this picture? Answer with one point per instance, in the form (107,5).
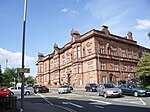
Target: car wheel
(105,95)
(27,93)
(135,94)
(12,93)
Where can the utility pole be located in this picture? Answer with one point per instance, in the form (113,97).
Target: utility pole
(23,52)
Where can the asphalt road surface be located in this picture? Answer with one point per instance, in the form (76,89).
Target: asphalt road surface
(81,101)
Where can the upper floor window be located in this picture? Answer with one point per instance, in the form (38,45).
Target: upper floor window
(79,54)
(116,67)
(45,67)
(89,50)
(131,68)
(79,68)
(129,54)
(75,53)
(56,62)
(124,67)
(114,51)
(75,69)
(90,66)
(103,66)
(51,65)
(63,60)
(123,53)
(102,49)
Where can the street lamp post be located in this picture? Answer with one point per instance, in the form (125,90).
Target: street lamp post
(23,52)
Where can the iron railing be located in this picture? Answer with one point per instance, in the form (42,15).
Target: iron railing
(8,102)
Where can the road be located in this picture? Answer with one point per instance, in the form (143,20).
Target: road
(81,101)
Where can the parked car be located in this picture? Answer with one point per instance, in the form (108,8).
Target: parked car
(17,90)
(91,87)
(5,92)
(43,89)
(40,89)
(133,89)
(109,90)
(64,89)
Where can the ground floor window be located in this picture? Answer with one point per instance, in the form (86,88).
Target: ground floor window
(104,79)
(91,79)
(80,81)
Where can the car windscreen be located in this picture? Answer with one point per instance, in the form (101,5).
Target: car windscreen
(93,85)
(64,86)
(110,86)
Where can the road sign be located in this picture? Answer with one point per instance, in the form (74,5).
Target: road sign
(23,70)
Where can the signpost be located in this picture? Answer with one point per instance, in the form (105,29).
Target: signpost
(23,70)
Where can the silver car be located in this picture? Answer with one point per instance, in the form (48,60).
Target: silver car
(109,90)
(64,89)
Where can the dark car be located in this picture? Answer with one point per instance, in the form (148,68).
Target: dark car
(132,89)
(91,87)
(40,89)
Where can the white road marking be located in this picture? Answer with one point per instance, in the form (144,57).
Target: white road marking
(142,101)
(46,99)
(138,101)
(108,103)
(148,97)
(99,106)
(76,105)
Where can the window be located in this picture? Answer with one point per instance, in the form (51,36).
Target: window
(80,82)
(51,65)
(114,51)
(102,49)
(135,55)
(63,60)
(90,67)
(75,69)
(56,62)
(131,69)
(75,53)
(124,67)
(45,67)
(129,54)
(91,80)
(104,79)
(103,66)
(116,67)
(89,50)
(123,53)
(79,68)
(78,52)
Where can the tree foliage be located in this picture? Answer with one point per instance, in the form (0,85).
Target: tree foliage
(143,67)
(30,80)
(148,35)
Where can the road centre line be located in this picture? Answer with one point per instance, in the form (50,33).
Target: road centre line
(108,103)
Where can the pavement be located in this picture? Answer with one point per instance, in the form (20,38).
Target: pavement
(40,107)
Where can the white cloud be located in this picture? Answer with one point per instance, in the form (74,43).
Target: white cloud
(66,10)
(15,59)
(143,24)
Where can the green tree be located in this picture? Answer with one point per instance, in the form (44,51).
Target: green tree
(1,76)
(30,80)
(143,68)
(148,35)
(8,76)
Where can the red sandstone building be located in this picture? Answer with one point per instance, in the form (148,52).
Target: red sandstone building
(94,57)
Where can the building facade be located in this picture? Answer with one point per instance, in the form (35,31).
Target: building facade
(94,57)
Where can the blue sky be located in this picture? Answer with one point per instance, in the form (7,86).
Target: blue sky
(51,21)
